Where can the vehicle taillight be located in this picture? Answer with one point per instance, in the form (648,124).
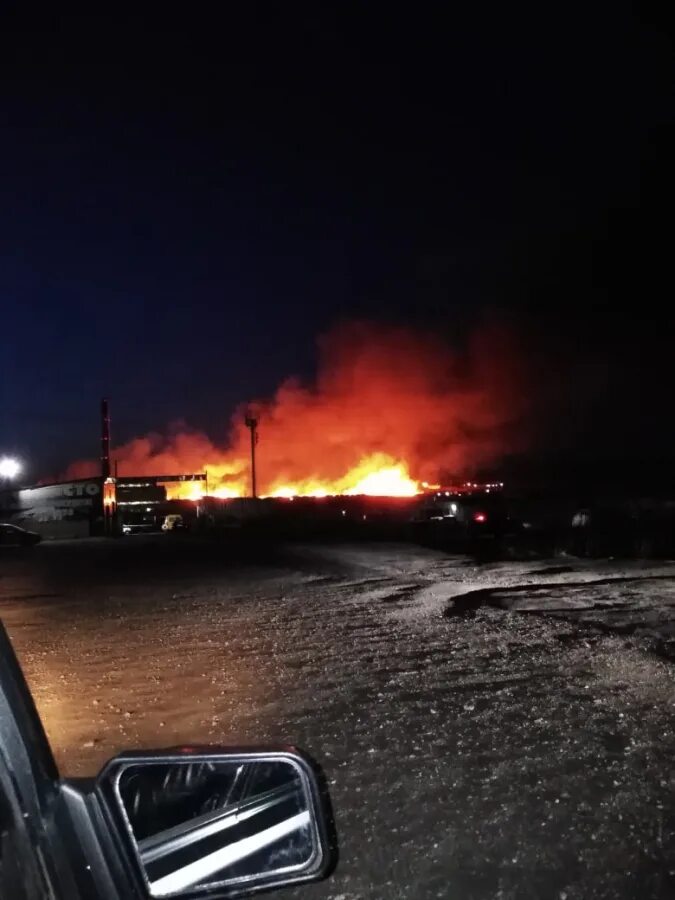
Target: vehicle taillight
(479,517)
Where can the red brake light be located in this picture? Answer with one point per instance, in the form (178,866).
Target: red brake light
(480,517)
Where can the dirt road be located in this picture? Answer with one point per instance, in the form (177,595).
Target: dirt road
(504,731)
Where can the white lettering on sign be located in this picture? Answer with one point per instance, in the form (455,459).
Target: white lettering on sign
(80,490)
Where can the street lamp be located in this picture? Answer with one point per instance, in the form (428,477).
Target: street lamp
(9,468)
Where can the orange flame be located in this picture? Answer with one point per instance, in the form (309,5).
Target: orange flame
(377,476)
(390,410)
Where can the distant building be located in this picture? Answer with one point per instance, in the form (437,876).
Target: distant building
(89,506)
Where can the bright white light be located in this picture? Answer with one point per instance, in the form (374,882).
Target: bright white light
(9,468)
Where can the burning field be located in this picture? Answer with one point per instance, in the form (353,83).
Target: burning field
(390,412)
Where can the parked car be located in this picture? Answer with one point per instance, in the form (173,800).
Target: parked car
(13,536)
(140,525)
(173,522)
(448,519)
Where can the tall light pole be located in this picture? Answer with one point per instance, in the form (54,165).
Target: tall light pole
(105,438)
(252,424)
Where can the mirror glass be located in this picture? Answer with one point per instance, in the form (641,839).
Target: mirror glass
(202,822)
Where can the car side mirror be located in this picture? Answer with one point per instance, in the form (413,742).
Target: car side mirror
(219,823)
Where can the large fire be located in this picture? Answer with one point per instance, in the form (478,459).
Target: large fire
(377,475)
(389,410)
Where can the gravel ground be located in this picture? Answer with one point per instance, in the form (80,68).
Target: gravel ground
(498,731)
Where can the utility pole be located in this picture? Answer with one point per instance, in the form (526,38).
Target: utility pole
(252,424)
(109,488)
(105,439)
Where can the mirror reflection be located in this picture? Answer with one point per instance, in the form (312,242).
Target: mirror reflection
(203,822)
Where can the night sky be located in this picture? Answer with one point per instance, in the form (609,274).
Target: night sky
(186,205)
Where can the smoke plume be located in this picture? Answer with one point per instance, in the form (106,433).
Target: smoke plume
(383,398)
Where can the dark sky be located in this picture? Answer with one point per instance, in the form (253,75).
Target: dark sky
(185,204)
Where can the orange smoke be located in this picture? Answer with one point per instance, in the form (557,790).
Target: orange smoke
(389,410)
